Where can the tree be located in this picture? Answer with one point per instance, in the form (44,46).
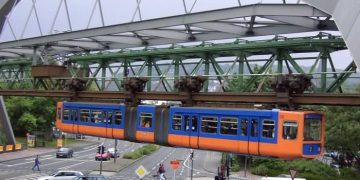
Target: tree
(343,133)
(250,83)
(28,114)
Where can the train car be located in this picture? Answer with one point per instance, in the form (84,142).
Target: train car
(271,133)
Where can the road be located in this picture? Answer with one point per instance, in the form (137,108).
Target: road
(83,160)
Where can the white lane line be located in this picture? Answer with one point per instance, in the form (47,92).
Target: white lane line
(28,162)
(66,167)
(45,156)
(187,159)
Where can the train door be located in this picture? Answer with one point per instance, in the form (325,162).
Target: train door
(118,120)
(254,135)
(191,127)
(75,118)
(244,135)
(108,119)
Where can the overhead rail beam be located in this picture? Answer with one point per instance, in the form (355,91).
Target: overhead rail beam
(253,98)
(174,28)
(297,45)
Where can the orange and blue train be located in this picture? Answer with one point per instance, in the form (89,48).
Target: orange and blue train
(271,133)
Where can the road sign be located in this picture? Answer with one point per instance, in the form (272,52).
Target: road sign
(141,171)
(292,173)
(175,164)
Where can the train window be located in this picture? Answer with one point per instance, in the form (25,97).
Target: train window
(108,118)
(268,128)
(84,115)
(229,125)
(254,128)
(145,120)
(176,122)
(312,129)
(290,130)
(74,115)
(96,116)
(209,124)
(243,130)
(66,114)
(118,117)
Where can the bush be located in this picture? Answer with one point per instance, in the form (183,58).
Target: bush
(349,173)
(262,170)
(142,151)
(309,169)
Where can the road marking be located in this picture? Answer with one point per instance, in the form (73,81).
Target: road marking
(187,159)
(66,167)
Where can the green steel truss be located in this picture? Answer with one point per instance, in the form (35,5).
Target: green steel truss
(239,66)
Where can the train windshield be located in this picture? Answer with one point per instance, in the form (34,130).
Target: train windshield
(312,128)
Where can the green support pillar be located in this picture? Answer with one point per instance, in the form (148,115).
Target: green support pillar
(241,61)
(323,71)
(280,66)
(206,73)
(149,74)
(176,70)
(103,75)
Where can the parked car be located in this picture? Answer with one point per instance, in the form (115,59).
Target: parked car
(90,177)
(105,156)
(62,175)
(112,152)
(80,136)
(64,152)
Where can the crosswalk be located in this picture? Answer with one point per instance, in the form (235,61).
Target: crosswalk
(31,176)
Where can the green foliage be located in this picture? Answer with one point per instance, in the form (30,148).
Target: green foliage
(310,169)
(250,83)
(29,114)
(261,170)
(349,174)
(145,150)
(342,133)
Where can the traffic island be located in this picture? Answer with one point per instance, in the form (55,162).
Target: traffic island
(111,166)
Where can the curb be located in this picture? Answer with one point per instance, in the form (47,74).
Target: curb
(140,158)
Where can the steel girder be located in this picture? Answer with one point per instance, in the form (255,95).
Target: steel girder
(235,22)
(241,66)
(346,14)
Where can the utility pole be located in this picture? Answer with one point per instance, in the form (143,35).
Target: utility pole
(115,153)
(245,166)
(192,163)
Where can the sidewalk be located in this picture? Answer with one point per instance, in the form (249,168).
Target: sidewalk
(212,162)
(30,152)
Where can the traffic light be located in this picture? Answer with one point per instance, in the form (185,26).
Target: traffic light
(101,149)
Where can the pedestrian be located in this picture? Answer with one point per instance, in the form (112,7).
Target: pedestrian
(37,163)
(161,172)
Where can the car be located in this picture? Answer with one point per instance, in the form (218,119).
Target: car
(64,152)
(80,136)
(105,156)
(112,152)
(90,177)
(62,175)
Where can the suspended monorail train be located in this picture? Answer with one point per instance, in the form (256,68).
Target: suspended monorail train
(272,133)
